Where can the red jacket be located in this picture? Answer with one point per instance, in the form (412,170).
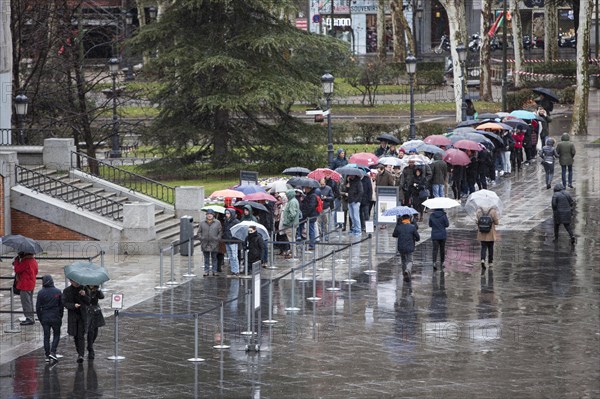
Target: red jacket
(26,270)
(518,138)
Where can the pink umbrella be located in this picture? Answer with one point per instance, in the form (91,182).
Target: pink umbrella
(437,139)
(364,158)
(259,197)
(467,145)
(456,157)
(227,193)
(321,173)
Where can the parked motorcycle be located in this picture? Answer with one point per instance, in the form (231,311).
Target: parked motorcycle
(443,46)
(475,43)
(538,42)
(527,43)
(567,41)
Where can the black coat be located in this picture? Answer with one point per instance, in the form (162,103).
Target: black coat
(407,235)
(367,190)
(70,297)
(256,247)
(48,306)
(227,225)
(308,206)
(562,205)
(438,221)
(355,191)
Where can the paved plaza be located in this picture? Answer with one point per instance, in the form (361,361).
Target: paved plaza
(527,328)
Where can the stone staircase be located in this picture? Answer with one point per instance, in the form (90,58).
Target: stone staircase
(96,198)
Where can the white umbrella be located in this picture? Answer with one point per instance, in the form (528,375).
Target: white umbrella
(441,203)
(418,158)
(484,199)
(279,186)
(410,144)
(240,230)
(393,161)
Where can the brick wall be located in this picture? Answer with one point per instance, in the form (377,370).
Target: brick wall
(38,229)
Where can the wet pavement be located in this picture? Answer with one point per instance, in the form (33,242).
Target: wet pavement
(528,328)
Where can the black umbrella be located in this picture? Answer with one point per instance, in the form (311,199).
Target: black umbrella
(547,92)
(22,244)
(303,182)
(496,140)
(515,122)
(471,122)
(487,116)
(389,138)
(350,171)
(296,171)
(254,205)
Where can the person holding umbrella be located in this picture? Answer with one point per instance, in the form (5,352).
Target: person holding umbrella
(407,235)
(26,270)
(76,298)
(487,220)
(95,319)
(438,221)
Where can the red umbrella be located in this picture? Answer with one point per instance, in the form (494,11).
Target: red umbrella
(467,145)
(437,139)
(321,173)
(259,197)
(456,157)
(364,158)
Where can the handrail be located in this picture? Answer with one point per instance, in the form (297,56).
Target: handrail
(69,193)
(124,178)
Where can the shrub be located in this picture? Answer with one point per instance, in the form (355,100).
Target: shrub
(518,99)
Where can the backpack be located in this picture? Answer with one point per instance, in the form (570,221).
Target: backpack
(485,222)
(319,207)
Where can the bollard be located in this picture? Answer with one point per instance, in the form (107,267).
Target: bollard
(195,358)
(270,319)
(172,281)
(293,308)
(248,314)
(245,275)
(314,297)
(13,328)
(349,280)
(161,286)
(190,255)
(333,287)
(116,355)
(222,346)
(370,270)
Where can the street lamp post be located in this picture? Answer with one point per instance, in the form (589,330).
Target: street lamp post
(127,32)
(327,82)
(21,105)
(115,151)
(462,57)
(152,12)
(411,69)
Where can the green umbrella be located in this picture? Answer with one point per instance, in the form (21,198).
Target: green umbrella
(86,273)
(216,208)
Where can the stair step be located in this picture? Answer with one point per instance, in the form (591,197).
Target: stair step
(164,226)
(160,218)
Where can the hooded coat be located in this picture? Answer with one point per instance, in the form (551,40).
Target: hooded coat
(438,221)
(228,223)
(562,205)
(250,216)
(565,150)
(256,248)
(291,211)
(548,153)
(48,306)
(407,235)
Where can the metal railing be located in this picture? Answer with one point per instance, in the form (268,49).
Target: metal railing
(69,193)
(27,136)
(121,177)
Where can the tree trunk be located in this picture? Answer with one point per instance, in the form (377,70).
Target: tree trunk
(517,33)
(550,30)
(220,139)
(582,90)
(457,23)
(381,48)
(485,67)
(399,28)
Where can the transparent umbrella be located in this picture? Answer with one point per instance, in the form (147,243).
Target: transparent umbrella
(484,199)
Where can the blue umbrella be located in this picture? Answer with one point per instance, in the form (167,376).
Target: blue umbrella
(522,114)
(251,188)
(400,211)
(361,167)
(86,273)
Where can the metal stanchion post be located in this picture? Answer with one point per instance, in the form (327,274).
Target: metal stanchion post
(13,328)
(172,281)
(314,297)
(349,280)
(270,320)
(222,346)
(161,286)
(293,307)
(189,272)
(303,278)
(249,311)
(245,275)
(116,355)
(271,264)
(333,287)
(195,358)
(370,270)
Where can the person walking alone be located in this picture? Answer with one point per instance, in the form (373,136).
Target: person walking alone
(548,155)
(487,220)
(407,234)
(438,221)
(562,209)
(50,310)
(26,270)
(566,153)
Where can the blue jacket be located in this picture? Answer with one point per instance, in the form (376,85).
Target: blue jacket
(438,221)
(407,235)
(49,307)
